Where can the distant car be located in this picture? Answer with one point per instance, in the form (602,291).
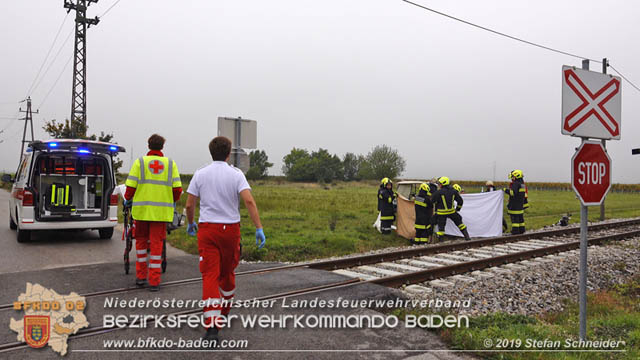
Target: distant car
(64,184)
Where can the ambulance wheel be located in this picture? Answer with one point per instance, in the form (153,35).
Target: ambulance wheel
(24,235)
(12,225)
(105,233)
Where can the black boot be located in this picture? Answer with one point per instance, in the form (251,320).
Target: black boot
(140,282)
(466,234)
(212,337)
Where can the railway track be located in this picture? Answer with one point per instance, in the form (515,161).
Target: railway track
(455,259)
(388,257)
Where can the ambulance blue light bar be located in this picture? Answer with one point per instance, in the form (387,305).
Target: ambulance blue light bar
(77,145)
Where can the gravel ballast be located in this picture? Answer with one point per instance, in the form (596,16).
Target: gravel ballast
(541,287)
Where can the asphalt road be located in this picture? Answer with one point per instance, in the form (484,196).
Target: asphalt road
(48,250)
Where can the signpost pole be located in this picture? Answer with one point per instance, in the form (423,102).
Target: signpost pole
(605,63)
(584,217)
(604,144)
(584,214)
(236,141)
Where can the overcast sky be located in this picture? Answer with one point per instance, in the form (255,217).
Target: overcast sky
(341,75)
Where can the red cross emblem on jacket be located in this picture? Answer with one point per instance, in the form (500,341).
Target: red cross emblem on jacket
(156,167)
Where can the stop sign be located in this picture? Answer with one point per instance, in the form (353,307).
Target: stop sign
(591,173)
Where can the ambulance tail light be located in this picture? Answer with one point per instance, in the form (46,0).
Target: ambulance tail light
(27,198)
(113,201)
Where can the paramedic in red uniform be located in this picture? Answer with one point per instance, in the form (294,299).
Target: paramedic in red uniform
(153,186)
(219,187)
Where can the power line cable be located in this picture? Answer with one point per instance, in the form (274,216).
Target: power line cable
(624,77)
(14,135)
(109,9)
(54,59)
(56,82)
(9,123)
(500,33)
(48,53)
(520,40)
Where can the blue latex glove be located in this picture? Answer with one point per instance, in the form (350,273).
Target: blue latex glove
(260,239)
(128,203)
(192,229)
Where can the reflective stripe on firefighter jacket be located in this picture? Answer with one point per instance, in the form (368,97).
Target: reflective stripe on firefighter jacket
(385,203)
(447,201)
(517,192)
(154,178)
(424,210)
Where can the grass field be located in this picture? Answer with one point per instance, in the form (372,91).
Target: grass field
(612,314)
(307,221)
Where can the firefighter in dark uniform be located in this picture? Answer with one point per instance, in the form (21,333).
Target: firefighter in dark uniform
(386,205)
(444,201)
(517,192)
(424,212)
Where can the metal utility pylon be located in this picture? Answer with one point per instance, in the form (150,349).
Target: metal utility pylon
(28,119)
(79,88)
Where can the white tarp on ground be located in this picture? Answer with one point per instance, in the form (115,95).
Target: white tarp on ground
(482,213)
(378,223)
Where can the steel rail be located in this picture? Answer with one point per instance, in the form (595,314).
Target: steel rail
(468,266)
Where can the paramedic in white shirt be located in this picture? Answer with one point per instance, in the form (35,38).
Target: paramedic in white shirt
(219,187)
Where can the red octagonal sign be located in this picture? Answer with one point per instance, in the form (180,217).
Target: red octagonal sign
(591,173)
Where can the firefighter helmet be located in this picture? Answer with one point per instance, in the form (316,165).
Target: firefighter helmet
(444,181)
(517,174)
(425,187)
(457,187)
(386,181)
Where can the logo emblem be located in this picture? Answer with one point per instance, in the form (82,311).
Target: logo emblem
(156,167)
(36,330)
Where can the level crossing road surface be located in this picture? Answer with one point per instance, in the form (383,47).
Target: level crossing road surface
(49,249)
(83,263)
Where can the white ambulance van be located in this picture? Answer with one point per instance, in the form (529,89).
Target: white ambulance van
(64,184)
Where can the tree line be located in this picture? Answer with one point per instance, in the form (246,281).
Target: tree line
(299,165)
(322,166)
